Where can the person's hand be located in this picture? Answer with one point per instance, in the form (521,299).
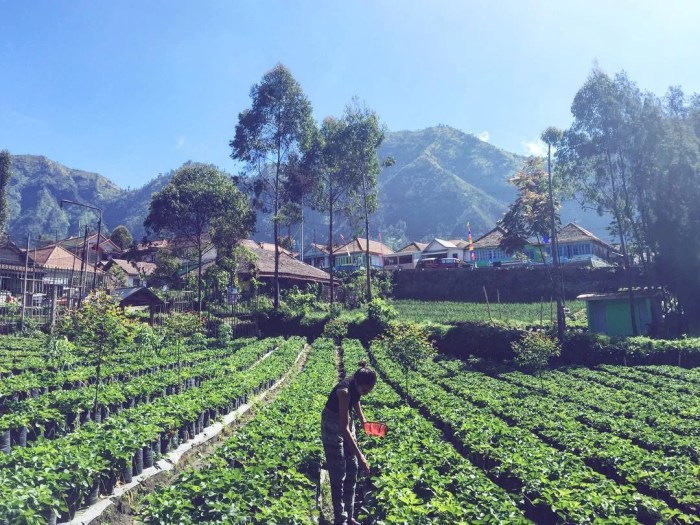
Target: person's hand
(364,464)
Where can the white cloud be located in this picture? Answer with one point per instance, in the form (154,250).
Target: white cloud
(180,143)
(483,136)
(535,147)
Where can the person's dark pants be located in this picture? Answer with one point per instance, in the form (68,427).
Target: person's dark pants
(342,467)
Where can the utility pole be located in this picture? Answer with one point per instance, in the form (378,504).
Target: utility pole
(24,285)
(99,232)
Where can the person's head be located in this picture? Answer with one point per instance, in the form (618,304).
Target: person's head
(365,378)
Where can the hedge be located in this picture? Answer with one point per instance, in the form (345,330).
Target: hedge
(493,342)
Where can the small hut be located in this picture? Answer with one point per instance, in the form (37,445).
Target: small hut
(609,313)
(139,296)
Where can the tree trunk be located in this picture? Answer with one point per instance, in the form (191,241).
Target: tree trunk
(276,237)
(558,285)
(330,250)
(199,278)
(367,256)
(623,245)
(367,262)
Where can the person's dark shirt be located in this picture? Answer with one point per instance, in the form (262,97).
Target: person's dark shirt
(332,404)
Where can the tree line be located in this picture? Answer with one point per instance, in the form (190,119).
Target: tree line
(634,156)
(289,162)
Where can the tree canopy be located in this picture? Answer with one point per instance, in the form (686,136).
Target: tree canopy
(121,236)
(270,137)
(637,157)
(201,206)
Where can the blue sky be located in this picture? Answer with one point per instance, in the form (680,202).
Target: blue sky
(131,89)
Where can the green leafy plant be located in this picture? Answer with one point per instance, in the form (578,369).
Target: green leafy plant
(534,350)
(408,344)
(336,329)
(381,313)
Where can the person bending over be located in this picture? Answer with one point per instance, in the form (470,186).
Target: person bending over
(339,443)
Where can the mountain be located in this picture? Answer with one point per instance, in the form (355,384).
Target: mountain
(442,178)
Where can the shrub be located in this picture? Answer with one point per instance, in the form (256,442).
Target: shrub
(408,344)
(302,302)
(381,313)
(336,329)
(534,351)
(225,335)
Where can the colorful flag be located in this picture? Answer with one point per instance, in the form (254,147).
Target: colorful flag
(472,255)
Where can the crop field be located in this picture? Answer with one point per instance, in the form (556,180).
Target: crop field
(531,314)
(60,454)
(480,444)
(469,446)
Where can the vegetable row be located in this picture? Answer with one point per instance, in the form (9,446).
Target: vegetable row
(419,477)
(268,471)
(59,476)
(557,485)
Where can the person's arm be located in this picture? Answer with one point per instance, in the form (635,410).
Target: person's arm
(360,413)
(343,406)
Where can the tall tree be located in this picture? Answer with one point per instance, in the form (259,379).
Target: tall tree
(273,130)
(329,160)
(529,215)
(365,134)
(599,155)
(5,174)
(535,213)
(674,220)
(199,204)
(552,136)
(121,236)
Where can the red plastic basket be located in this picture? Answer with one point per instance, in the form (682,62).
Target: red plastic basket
(374,428)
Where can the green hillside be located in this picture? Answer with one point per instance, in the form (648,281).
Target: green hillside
(441,179)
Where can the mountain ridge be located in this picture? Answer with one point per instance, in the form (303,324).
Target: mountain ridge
(442,178)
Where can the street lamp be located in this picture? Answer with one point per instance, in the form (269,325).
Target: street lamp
(99,234)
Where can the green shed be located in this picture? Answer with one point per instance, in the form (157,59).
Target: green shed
(609,313)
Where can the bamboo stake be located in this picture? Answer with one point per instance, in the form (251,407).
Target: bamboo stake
(488,306)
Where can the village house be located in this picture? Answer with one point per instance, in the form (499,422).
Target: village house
(406,258)
(349,256)
(488,251)
(136,272)
(80,244)
(578,245)
(441,249)
(292,271)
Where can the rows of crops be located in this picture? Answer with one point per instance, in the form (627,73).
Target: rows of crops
(468,444)
(528,314)
(578,446)
(268,471)
(61,453)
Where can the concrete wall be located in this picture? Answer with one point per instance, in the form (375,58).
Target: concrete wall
(512,284)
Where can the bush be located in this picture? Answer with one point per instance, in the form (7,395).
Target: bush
(534,351)
(225,335)
(336,329)
(381,313)
(302,302)
(408,344)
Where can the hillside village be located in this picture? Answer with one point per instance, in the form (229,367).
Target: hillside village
(349,263)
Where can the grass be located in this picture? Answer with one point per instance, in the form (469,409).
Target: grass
(516,313)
